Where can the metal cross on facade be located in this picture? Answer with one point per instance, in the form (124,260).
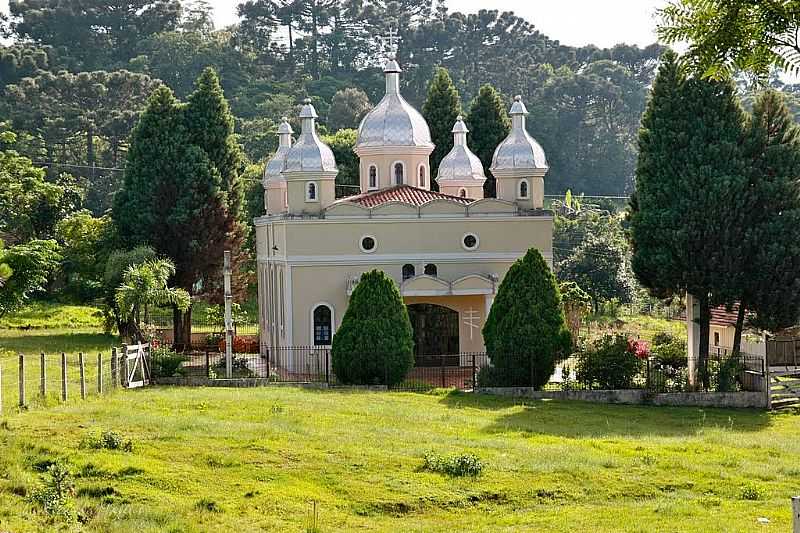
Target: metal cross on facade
(472,320)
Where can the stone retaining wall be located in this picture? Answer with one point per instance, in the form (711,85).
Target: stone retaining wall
(751,400)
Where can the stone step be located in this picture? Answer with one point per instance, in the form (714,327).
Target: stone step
(785,403)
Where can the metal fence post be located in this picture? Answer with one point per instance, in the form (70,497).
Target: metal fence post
(42,375)
(114,373)
(474,374)
(63,377)
(99,373)
(796,514)
(441,370)
(82,370)
(327,366)
(21,380)
(208,365)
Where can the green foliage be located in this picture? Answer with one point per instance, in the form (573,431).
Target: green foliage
(165,363)
(726,37)
(374,343)
(348,107)
(462,465)
(608,364)
(576,304)
(119,261)
(84,242)
(725,374)
(525,332)
(107,440)
(342,143)
(55,496)
(489,124)
(442,107)
(31,264)
(669,350)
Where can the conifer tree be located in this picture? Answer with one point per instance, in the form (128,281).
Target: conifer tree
(526,333)
(769,211)
(689,164)
(172,199)
(375,342)
(489,125)
(441,109)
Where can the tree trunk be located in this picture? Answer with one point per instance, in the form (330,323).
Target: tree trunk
(182,328)
(291,48)
(737,334)
(705,328)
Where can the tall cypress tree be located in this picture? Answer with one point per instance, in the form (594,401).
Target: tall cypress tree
(441,108)
(769,210)
(690,165)
(489,125)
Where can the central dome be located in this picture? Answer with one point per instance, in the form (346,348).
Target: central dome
(393,122)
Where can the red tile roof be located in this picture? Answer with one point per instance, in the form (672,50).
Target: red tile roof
(722,317)
(402,193)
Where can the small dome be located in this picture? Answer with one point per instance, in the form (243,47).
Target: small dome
(460,163)
(274,167)
(519,151)
(309,153)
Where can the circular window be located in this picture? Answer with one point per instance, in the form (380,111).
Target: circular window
(470,241)
(368,244)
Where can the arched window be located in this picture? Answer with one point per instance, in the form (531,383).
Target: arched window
(323,325)
(398,173)
(422,175)
(431,270)
(311,192)
(523,192)
(373,177)
(462,193)
(409,271)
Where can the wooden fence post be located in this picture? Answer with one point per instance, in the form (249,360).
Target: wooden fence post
(43,375)
(124,365)
(796,514)
(82,367)
(114,372)
(21,380)
(63,377)
(99,373)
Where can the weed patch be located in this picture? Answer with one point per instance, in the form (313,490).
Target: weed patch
(107,440)
(465,464)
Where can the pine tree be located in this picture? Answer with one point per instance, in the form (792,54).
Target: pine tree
(525,332)
(441,109)
(689,165)
(769,209)
(489,125)
(172,199)
(375,343)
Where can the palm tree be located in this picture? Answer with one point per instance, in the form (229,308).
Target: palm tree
(145,285)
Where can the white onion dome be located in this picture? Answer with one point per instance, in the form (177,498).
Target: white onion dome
(519,151)
(274,167)
(393,122)
(309,153)
(460,164)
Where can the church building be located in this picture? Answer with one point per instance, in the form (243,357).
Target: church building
(447,251)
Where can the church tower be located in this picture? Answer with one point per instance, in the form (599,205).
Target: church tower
(461,171)
(394,142)
(275,199)
(310,169)
(519,164)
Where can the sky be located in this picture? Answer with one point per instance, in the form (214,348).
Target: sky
(573,22)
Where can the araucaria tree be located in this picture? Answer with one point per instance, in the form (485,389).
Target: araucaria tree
(689,169)
(375,342)
(181,191)
(525,332)
(441,109)
(489,125)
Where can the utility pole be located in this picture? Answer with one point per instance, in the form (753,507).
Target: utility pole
(228,316)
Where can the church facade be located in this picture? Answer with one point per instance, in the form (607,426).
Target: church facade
(447,251)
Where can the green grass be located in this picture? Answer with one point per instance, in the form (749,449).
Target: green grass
(44,315)
(210,459)
(643,326)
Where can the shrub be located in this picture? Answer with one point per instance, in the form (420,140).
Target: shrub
(609,363)
(670,351)
(164,363)
(751,492)
(55,497)
(205,504)
(525,332)
(108,440)
(465,464)
(725,374)
(374,344)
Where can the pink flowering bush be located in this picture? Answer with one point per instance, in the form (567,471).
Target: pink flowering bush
(612,362)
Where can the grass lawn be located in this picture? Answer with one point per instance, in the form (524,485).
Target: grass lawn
(211,459)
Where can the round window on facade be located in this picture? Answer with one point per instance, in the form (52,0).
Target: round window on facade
(368,244)
(470,241)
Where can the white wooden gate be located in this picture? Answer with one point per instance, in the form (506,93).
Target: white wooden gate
(136,365)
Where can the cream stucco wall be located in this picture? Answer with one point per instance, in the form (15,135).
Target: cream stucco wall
(384,164)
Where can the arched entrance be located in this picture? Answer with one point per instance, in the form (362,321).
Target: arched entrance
(435,330)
